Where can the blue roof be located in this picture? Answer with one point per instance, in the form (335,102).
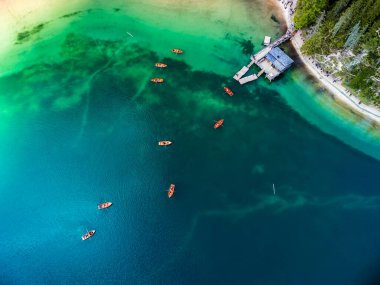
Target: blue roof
(279,59)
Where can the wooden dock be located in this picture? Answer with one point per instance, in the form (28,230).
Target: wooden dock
(248,78)
(256,58)
(260,73)
(240,73)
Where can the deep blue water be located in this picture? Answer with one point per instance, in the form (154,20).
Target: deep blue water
(223,226)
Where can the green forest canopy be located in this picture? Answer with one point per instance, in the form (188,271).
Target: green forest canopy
(348,25)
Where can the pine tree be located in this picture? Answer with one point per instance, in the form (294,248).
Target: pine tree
(317,25)
(340,6)
(353,37)
(342,21)
(356,60)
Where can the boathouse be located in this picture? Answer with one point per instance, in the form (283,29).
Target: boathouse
(271,60)
(274,63)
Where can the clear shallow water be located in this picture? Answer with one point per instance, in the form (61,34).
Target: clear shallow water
(80,126)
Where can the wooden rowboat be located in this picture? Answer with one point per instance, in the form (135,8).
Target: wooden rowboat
(104,205)
(163,143)
(88,234)
(171,190)
(177,51)
(218,123)
(228,91)
(157,80)
(161,65)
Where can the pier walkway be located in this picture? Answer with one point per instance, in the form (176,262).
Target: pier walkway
(241,73)
(289,33)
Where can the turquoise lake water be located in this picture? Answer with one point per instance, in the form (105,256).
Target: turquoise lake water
(79,125)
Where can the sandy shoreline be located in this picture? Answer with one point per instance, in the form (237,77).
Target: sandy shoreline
(19,16)
(337,89)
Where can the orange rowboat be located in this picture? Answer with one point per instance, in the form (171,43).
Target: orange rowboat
(88,234)
(164,143)
(159,64)
(157,80)
(228,91)
(177,51)
(104,205)
(218,123)
(171,190)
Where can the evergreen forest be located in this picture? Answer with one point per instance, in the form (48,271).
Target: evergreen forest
(344,36)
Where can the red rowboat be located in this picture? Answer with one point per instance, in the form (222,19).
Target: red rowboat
(157,80)
(159,64)
(228,91)
(218,123)
(164,143)
(171,190)
(104,205)
(88,234)
(177,51)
